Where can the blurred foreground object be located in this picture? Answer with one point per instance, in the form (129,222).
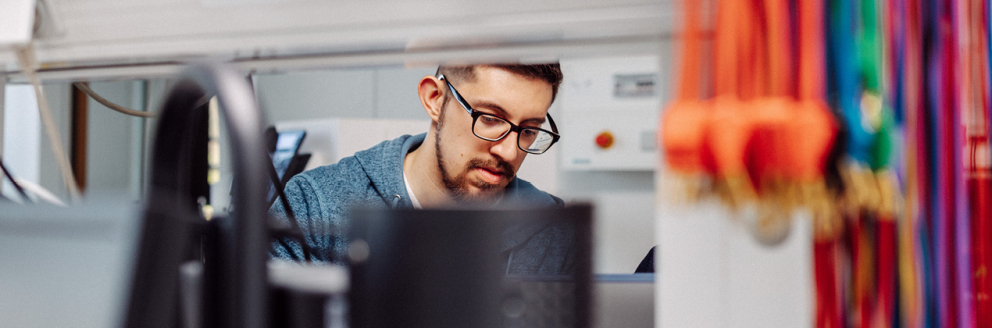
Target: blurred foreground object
(889,149)
(463,268)
(760,141)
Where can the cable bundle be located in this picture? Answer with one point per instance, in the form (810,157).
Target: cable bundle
(758,135)
(873,116)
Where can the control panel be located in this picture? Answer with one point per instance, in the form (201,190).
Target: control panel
(609,113)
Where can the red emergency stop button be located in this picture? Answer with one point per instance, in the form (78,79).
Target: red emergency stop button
(604,140)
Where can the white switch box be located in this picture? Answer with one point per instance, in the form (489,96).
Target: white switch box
(619,96)
(633,147)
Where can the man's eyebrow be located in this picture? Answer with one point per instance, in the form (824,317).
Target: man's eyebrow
(502,112)
(492,106)
(537,121)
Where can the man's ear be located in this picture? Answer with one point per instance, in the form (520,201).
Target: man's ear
(431,93)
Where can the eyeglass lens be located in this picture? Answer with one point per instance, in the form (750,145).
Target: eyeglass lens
(530,140)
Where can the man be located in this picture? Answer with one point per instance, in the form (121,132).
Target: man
(485,120)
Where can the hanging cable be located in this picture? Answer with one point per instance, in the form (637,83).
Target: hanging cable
(294,225)
(27,62)
(123,110)
(14,181)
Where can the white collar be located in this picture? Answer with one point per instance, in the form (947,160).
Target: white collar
(413,198)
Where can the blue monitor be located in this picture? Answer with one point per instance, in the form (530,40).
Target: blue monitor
(287,146)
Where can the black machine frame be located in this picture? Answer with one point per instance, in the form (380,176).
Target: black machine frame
(237,280)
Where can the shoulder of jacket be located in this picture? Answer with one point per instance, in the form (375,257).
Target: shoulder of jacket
(345,171)
(528,193)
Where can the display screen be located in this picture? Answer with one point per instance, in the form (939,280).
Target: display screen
(287,145)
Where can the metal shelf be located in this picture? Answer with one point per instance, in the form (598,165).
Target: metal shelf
(107,39)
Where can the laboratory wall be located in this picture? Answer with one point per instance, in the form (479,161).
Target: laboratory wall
(26,150)
(617,96)
(116,144)
(386,93)
(115,141)
(21,134)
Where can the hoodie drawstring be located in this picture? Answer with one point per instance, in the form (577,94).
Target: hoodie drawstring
(396,201)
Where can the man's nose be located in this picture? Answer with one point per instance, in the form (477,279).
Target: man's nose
(506,148)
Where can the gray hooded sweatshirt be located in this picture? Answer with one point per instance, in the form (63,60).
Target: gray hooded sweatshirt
(322,197)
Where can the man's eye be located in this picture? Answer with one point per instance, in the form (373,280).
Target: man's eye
(491,120)
(529,133)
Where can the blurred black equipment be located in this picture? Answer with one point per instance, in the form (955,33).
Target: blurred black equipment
(234,281)
(449,268)
(17,186)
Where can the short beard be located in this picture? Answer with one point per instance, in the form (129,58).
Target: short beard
(457,185)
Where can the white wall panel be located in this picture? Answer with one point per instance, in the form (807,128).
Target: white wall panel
(712,272)
(109,152)
(623,232)
(317,94)
(396,92)
(22,132)
(26,149)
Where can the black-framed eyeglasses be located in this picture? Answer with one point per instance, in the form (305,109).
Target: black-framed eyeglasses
(490,127)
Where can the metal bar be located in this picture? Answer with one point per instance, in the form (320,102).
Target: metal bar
(530,51)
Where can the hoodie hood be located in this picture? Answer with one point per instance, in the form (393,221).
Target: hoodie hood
(383,164)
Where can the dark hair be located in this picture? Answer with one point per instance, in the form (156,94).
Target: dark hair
(550,73)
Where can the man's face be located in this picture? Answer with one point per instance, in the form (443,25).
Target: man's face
(476,169)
